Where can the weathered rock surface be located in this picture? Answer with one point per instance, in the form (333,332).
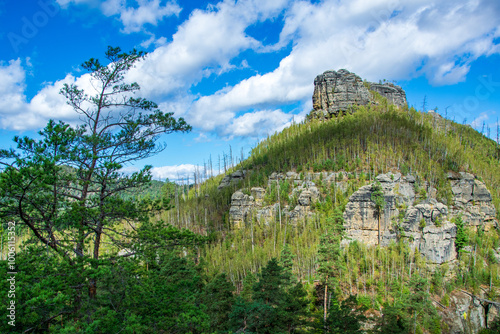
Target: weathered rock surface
(241,207)
(425,224)
(335,92)
(232,178)
(472,198)
(393,93)
(460,304)
(420,219)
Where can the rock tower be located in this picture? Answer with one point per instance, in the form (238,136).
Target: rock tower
(335,92)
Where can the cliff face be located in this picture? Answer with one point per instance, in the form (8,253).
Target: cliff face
(420,219)
(335,92)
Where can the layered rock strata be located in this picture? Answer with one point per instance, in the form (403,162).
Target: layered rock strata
(335,92)
(426,223)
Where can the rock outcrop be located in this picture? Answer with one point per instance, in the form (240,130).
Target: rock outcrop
(426,223)
(466,314)
(241,206)
(232,178)
(411,211)
(335,92)
(472,198)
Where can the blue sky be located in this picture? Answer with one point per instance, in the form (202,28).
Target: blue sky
(240,70)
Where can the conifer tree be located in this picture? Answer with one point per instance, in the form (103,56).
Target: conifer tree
(377,197)
(218,298)
(329,257)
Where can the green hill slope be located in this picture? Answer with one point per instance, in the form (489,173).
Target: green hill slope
(372,140)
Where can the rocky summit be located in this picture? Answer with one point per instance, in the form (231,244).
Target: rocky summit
(335,92)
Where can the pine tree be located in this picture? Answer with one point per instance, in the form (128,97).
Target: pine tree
(345,317)
(378,198)
(329,257)
(218,298)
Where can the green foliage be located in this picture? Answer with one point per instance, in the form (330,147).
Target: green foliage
(69,181)
(345,317)
(462,238)
(277,305)
(422,224)
(329,250)
(219,299)
(394,320)
(377,197)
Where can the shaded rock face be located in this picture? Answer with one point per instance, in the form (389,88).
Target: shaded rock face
(394,94)
(474,320)
(232,178)
(335,92)
(426,225)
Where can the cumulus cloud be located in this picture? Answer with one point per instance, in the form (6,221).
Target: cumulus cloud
(174,173)
(375,39)
(147,12)
(19,114)
(257,124)
(12,86)
(203,45)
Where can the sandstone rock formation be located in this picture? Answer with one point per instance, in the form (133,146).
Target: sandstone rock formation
(232,178)
(425,224)
(244,206)
(241,207)
(409,213)
(335,92)
(471,197)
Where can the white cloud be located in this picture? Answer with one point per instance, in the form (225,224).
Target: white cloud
(174,173)
(257,124)
(375,39)
(19,114)
(203,45)
(150,12)
(12,87)
(478,122)
(157,42)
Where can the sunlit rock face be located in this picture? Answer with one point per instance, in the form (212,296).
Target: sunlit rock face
(335,92)
(424,223)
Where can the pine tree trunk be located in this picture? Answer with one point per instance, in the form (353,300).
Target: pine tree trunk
(379,229)
(325,310)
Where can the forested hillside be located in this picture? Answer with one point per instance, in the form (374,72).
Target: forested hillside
(362,144)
